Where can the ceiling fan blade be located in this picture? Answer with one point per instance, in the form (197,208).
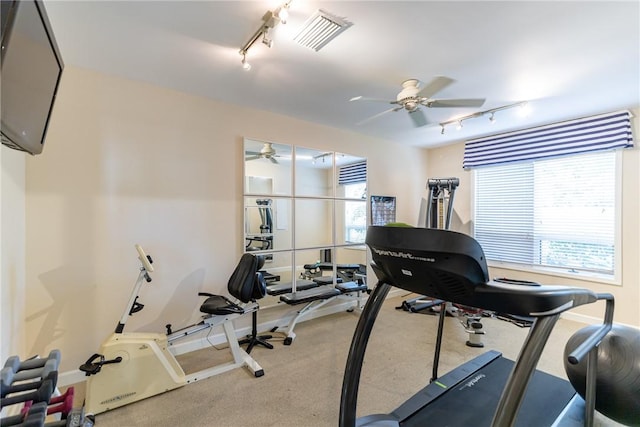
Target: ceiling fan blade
(364,98)
(252,153)
(435,86)
(418,118)
(375,116)
(471,102)
(252,157)
(273,160)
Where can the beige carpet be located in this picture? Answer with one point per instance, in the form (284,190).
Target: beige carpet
(302,382)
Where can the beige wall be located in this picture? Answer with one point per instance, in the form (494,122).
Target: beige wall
(12,252)
(447,161)
(129,163)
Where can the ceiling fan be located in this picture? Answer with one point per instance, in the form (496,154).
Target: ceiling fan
(266,152)
(412,97)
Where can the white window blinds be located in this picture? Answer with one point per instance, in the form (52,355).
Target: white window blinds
(557,212)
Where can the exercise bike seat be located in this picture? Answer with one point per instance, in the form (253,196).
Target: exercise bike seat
(246,284)
(219,305)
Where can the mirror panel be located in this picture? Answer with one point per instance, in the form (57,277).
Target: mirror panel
(313,223)
(314,173)
(267,223)
(351,222)
(279,268)
(264,161)
(351,264)
(313,263)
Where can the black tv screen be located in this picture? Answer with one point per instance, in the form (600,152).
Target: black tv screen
(30,73)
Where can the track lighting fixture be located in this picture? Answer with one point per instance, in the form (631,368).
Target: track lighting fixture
(266,40)
(245,65)
(492,119)
(269,21)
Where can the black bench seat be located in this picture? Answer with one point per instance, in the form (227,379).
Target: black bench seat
(322,293)
(279,288)
(348,287)
(308,295)
(326,280)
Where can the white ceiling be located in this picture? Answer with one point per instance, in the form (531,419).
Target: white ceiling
(568,59)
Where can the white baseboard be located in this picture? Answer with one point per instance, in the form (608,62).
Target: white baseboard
(590,320)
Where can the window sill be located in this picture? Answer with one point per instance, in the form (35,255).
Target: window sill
(557,272)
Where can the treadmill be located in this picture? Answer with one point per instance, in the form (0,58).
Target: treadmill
(489,390)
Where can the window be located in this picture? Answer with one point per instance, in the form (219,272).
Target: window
(355,213)
(558,212)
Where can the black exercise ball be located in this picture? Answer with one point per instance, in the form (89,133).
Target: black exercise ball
(618,377)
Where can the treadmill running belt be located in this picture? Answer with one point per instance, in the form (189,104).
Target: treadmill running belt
(475,400)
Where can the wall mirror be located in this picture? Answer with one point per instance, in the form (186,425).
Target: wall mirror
(314,173)
(305,207)
(267,162)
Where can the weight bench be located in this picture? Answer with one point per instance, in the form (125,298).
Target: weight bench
(279,288)
(314,298)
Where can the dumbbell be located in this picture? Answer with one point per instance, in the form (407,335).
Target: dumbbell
(31,368)
(34,416)
(11,382)
(62,404)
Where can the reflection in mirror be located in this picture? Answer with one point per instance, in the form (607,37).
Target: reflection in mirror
(279,269)
(332,266)
(351,222)
(259,185)
(264,160)
(314,172)
(311,264)
(351,264)
(313,225)
(267,223)
(352,176)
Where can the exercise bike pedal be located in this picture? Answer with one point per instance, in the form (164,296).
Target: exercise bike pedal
(91,368)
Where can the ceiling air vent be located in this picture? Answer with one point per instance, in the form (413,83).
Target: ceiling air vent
(320,29)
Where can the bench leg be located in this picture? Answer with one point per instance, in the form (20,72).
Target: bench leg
(310,307)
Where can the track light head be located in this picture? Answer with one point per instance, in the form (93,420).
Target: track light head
(459,125)
(245,65)
(282,13)
(266,40)
(492,119)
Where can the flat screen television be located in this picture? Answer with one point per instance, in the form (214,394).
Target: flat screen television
(30,73)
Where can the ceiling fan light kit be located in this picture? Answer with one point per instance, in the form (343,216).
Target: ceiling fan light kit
(266,152)
(412,97)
